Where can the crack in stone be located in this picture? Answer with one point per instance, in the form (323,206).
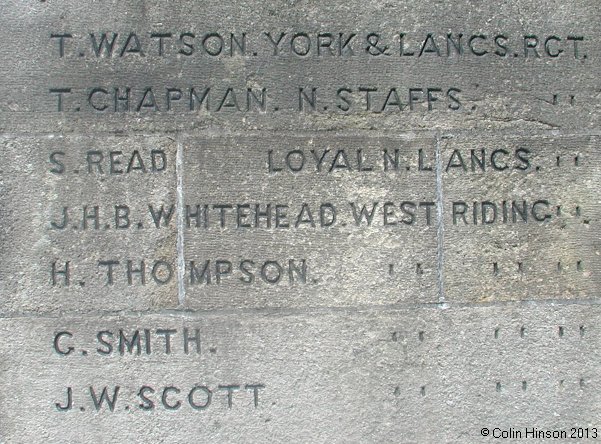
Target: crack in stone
(179,205)
(439,225)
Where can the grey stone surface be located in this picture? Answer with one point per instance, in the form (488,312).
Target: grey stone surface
(508,91)
(549,251)
(426,375)
(352,258)
(94,175)
(427,324)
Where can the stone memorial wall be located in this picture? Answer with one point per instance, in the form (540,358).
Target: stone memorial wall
(300,221)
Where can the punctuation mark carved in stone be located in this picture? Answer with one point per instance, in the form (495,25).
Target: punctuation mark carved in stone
(576,160)
(556,100)
(397,391)
(560,332)
(524,385)
(520,265)
(495,268)
(418,269)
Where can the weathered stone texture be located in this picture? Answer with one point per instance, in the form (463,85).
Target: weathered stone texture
(298,221)
(331,376)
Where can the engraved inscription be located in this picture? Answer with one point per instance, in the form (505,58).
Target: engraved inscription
(299,221)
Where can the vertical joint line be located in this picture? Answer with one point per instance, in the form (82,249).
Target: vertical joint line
(439,223)
(179,207)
